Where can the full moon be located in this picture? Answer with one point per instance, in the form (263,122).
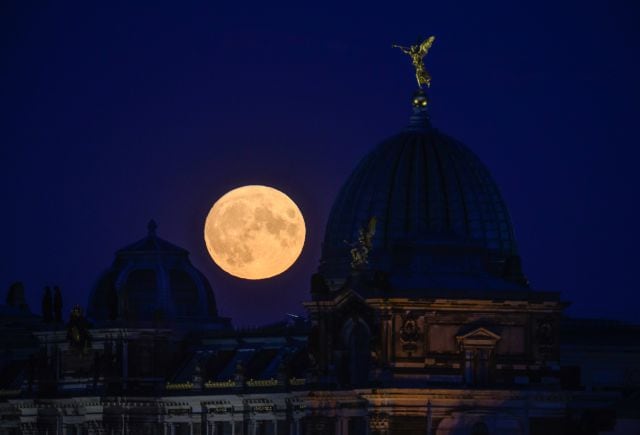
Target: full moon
(254,232)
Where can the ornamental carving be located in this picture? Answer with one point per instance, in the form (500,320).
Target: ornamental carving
(410,332)
(78,330)
(379,422)
(545,332)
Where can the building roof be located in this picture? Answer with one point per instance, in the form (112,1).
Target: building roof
(153,281)
(270,352)
(437,211)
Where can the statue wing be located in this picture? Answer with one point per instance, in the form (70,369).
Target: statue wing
(426,45)
(371,230)
(372,225)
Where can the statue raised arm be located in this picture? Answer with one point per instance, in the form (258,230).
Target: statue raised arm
(405,50)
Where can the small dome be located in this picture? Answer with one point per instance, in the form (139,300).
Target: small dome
(152,280)
(438,213)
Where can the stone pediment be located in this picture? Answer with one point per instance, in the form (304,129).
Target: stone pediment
(478,337)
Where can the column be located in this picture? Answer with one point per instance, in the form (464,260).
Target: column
(527,420)
(385,342)
(125,361)
(483,366)
(298,426)
(275,426)
(344,425)
(57,363)
(468,367)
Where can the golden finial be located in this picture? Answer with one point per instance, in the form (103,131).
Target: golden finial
(417,53)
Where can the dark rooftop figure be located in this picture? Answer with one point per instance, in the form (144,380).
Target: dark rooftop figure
(47,305)
(15,296)
(57,304)
(78,330)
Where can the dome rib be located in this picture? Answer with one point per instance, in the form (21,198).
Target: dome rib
(408,189)
(388,221)
(443,185)
(458,174)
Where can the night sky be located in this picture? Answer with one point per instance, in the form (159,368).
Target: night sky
(112,115)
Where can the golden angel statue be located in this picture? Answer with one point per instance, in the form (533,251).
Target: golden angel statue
(417,53)
(360,252)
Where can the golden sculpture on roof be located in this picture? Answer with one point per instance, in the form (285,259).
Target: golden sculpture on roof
(417,53)
(361,249)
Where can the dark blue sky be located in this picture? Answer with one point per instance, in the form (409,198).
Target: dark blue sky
(112,115)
